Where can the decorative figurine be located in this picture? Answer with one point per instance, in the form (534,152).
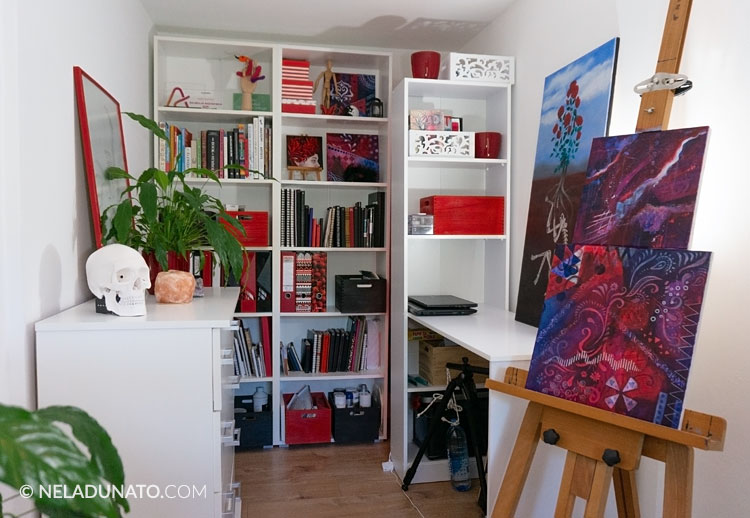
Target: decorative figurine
(328,77)
(249,76)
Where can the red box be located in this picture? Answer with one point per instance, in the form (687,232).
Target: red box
(308,426)
(255,225)
(297,108)
(465,215)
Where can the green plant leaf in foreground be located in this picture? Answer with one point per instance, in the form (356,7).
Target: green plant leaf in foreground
(147,123)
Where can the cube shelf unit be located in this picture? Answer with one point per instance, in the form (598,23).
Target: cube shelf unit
(201,64)
(474,267)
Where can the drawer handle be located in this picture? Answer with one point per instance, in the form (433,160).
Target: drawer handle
(229,505)
(226,426)
(227,361)
(232,382)
(364,285)
(227,353)
(233,439)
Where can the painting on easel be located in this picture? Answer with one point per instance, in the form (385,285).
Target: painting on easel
(575,109)
(618,329)
(641,189)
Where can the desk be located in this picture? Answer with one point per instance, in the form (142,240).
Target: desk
(493,334)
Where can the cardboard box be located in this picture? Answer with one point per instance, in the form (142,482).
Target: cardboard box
(434,354)
(465,215)
(308,426)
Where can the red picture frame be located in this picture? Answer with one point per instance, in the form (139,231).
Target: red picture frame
(103,145)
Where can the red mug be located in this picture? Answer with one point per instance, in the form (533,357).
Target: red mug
(425,64)
(487,144)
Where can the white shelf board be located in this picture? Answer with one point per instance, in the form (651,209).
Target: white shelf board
(253,315)
(445,88)
(436,470)
(450,160)
(335,185)
(330,313)
(258,248)
(230,181)
(331,376)
(433,388)
(491,332)
(336,249)
(252,379)
(172,113)
(421,237)
(289,118)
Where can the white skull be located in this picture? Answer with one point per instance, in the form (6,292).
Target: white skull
(120,275)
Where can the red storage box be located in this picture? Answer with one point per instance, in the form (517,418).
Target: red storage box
(308,426)
(255,225)
(298,108)
(465,215)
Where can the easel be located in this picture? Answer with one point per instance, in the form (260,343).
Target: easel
(600,444)
(302,170)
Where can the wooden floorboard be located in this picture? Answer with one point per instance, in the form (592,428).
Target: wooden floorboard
(340,481)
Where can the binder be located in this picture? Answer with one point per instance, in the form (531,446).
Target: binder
(302,283)
(319,281)
(264,291)
(287,282)
(265,336)
(248,284)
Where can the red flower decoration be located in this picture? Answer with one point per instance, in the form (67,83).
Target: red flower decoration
(560,112)
(573,89)
(579,120)
(566,120)
(578,102)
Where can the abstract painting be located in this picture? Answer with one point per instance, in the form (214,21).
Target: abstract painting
(351,157)
(640,189)
(618,329)
(357,90)
(575,109)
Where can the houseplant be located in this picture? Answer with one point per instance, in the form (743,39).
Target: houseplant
(35,453)
(171,216)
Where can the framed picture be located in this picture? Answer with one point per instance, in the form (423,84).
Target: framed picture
(352,158)
(357,90)
(103,146)
(304,154)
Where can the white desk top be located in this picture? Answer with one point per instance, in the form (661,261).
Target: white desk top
(491,332)
(215,309)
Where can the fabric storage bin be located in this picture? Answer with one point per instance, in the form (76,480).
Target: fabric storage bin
(434,354)
(308,426)
(256,428)
(355,424)
(357,294)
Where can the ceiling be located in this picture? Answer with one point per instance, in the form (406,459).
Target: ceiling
(405,24)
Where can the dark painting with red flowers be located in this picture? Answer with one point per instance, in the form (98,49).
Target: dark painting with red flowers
(305,151)
(575,109)
(351,157)
(355,90)
(640,189)
(618,329)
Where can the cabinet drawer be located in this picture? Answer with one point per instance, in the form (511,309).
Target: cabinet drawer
(224,380)
(227,436)
(228,502)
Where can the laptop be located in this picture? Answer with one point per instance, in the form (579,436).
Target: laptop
(437,305)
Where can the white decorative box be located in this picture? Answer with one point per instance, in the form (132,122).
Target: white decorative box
(481,67)
(441,143)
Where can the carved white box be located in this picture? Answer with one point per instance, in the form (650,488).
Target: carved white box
(481,67)
(441,143)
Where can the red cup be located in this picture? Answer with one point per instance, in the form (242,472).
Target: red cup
(487,144)
(425,64)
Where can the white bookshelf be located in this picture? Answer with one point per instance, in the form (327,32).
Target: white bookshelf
(210,64)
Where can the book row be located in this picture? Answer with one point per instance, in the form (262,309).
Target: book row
(252,358)
(358,226)
(244,151)
(355,348)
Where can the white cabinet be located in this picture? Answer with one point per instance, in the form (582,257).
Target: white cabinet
(161,386)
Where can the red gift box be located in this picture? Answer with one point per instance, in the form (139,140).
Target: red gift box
(465,215)
(308,426)
(297,108)
(255,225)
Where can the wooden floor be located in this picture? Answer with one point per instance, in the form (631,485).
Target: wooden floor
(340,481)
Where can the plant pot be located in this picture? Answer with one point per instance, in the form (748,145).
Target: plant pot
(174,262)
(425,64)
(487,144)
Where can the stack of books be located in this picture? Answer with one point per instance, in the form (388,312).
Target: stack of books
(296,87)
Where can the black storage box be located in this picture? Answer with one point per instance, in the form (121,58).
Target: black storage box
(256,428)
(437,448)
(355,424)
(357,294)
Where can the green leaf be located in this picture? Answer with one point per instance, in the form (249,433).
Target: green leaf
(114,173)
(123,221)
(162,179)
(147,123)
(201,171)
(147,199)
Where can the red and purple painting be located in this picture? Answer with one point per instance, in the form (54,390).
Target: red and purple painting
(575,109)
(356,90)
(304,151)
(640,189)
(351,157)
(618,329)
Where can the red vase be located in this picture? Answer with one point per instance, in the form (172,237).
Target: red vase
(487,144)
(174,262)
(425,64)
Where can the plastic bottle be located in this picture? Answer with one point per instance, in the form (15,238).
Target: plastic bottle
(458,457)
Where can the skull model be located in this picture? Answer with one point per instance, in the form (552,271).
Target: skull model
(119,274)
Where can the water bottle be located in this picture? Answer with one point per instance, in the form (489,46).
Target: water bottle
(458,457)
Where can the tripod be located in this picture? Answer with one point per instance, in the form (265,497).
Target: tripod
(465,381)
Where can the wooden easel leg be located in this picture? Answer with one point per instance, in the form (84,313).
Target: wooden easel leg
(565,498)
(626,494)
(678,481)
(599,489)
(519,463)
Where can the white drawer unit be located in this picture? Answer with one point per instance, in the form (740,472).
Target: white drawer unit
(162,386)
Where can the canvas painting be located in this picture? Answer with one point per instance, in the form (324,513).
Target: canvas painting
(303,150)
(640,189)
(618,329)
(575,109)
(357,90)
(351,157)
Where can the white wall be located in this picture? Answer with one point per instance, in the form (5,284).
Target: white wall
(546,35)
(45,226)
